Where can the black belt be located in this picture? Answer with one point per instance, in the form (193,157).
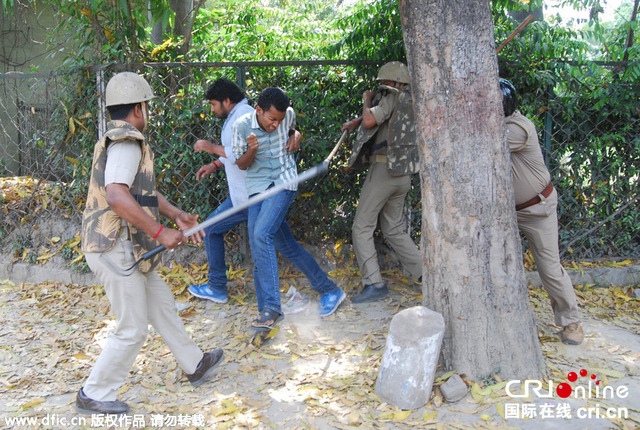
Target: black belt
(534,201)
(148,201)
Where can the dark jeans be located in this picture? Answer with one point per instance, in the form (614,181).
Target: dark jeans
(269,230)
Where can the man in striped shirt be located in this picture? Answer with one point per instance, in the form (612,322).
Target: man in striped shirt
(260,148)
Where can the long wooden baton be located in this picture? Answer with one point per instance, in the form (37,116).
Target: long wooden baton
(515,32)
(302,177)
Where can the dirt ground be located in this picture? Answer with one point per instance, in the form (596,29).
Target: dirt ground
(316,373)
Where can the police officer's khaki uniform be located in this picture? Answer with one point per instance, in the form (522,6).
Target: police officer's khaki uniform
(390,152)
(539,222)
(141,298)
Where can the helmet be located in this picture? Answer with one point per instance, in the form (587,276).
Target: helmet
(128,88)
(509,101)
(394,71)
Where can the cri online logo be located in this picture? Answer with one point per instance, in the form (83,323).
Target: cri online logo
(565,390)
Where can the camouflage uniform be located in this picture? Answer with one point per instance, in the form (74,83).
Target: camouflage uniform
(398,132)
(390,152)
(100,225)
(136,300)
(539,222)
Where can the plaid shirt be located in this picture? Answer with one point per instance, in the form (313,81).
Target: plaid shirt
(272,163)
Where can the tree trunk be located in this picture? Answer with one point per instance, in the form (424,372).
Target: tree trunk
(186,11)
(473,272)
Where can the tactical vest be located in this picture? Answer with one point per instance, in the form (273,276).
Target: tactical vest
(402,148)
(101,225)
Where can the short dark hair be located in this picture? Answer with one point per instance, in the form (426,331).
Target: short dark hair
(223,89)
(120,111)
(273,96)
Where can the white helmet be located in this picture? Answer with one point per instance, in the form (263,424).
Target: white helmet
(394,71)
(128,88)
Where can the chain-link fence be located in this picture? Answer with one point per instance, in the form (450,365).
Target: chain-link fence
(588,118)
(36,142)
(49,124)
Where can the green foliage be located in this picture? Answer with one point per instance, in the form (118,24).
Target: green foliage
(373,32)
(253,31)
(99,31)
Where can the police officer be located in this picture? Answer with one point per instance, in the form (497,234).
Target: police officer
(536,201)
(120,223)
(386,144)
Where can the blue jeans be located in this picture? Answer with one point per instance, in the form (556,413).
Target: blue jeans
(214,245)
(269,230)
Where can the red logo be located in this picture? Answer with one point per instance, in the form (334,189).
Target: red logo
(564,390)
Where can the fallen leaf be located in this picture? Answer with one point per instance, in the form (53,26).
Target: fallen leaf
(402,415)
(445,376)
(33,402)
(612,373)
(429,416)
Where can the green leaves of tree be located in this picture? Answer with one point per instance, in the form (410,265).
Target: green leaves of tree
(374,32)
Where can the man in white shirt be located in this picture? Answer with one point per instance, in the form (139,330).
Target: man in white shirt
(228,102)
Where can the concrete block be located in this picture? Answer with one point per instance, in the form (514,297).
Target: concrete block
(454,389)
(410,358)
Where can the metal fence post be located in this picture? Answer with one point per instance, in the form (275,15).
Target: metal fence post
(240,77)
(102,104)
(548,126)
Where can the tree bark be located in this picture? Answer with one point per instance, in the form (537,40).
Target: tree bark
(186,11)
(473,271)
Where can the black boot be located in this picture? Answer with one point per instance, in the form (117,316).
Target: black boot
(85,405)
(209,362)
(371,293)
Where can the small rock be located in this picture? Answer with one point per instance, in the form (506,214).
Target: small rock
(181,306)
(454,389)
(636,293)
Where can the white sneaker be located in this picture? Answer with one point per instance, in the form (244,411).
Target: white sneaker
(297,302)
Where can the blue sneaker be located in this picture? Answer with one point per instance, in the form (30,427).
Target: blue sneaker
(204,292)
(329,302)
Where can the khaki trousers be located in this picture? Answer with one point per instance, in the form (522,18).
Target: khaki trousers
(382,198)
(539,224)
(136,301)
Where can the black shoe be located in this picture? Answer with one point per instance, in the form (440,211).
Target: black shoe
(268,320)
(85,405)
(371,293)
(209,362)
